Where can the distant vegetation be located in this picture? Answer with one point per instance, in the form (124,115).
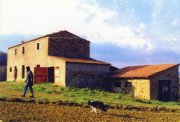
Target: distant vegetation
(2,73)
(3,63)
(3,59)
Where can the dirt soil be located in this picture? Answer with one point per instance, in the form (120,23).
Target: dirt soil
(32,112)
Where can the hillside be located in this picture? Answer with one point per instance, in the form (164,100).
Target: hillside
(3,63)
(3,59)
(2,73)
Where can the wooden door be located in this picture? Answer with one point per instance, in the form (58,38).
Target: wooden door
(40,74)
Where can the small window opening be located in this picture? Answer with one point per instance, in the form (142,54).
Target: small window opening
(15,51)
(38,46)
(23,50)
(10,69)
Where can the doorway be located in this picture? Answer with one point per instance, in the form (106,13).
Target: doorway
(164,90)
(51,74)
(23,71)
(15,72)
(43,74)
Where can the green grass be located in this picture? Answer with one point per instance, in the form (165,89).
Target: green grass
(51,92)
(2,96)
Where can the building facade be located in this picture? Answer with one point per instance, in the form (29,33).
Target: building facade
(62,58)
(157,82)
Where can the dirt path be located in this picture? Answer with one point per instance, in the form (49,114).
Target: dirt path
(12,111)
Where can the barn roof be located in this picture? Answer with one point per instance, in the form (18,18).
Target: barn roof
(144,71)
(60,34)
(80,60)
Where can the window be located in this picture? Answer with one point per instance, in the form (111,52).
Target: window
(10,69)
(38,65)
(23,71)
(23,50)
(38,45)
(117,84)
(15,52)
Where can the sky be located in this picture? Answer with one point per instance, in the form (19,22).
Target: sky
(122,32)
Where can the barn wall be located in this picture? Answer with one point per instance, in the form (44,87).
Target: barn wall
(139,88)
(86,75)
(172,75)
(31,57)
(71,48)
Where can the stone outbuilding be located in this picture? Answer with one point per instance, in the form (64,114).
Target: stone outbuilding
(157,82)
(62,58)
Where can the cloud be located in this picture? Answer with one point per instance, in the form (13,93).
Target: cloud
(175,23)
(37,16)
(142,26)
(165,15)
(139,29)
(81,17)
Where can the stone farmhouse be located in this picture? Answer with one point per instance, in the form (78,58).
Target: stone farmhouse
(64,58)
(61,58)
(157,82)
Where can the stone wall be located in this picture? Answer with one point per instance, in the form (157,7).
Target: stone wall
(86,75)
(172,75)
(70,48)
(139,88)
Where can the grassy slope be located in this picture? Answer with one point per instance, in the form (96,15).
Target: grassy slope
(51,92)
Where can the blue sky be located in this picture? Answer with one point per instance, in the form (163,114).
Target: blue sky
(122,32)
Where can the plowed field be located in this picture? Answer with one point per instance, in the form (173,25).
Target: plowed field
(14,111)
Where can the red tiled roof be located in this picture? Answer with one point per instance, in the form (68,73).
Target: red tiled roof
(60,34)
(79,60)
(144,71)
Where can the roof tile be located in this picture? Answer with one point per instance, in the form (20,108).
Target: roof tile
(144,71)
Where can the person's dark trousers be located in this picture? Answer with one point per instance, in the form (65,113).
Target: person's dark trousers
(30,87)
